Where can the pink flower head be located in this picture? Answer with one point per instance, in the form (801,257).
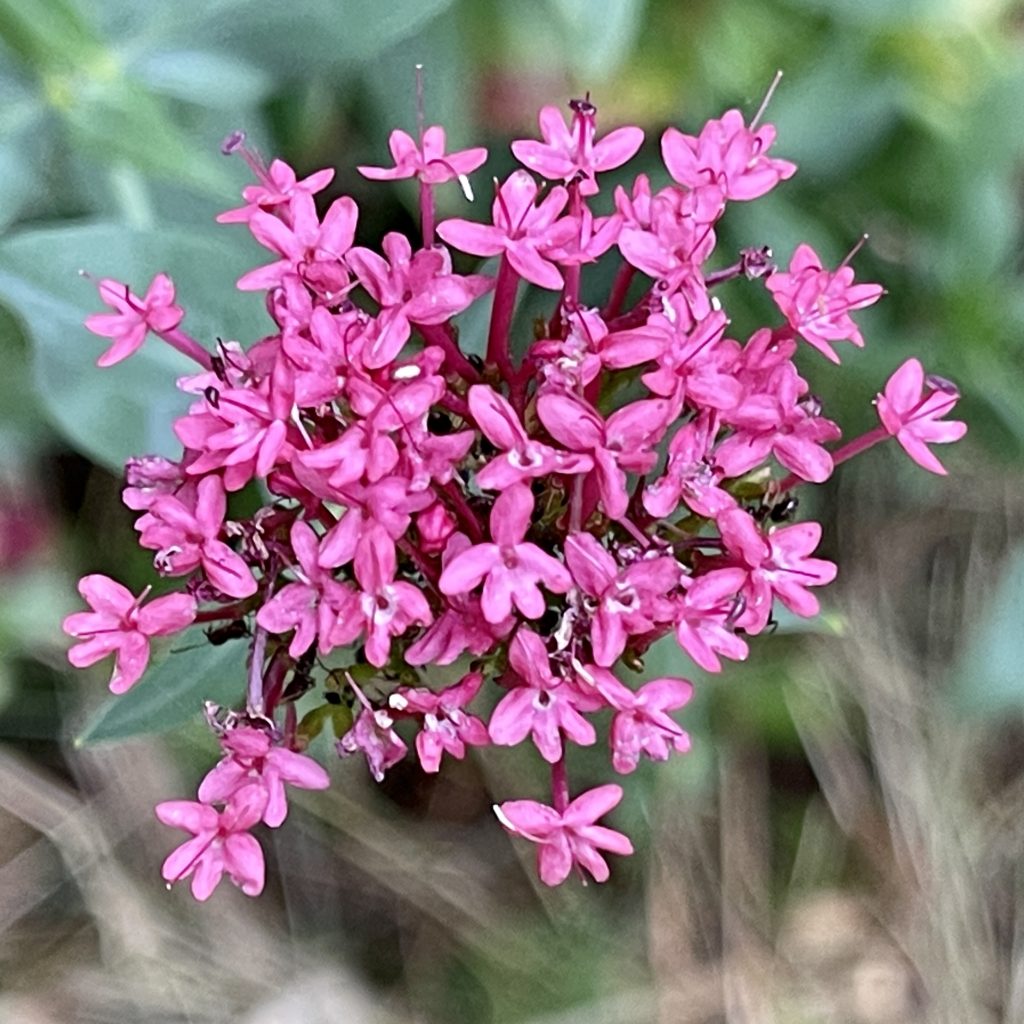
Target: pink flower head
(278,187)
(186,535)
(570,837)
(220,842)
(447,728)
(540,706)
(641,724)
(427,161)
(525,233)
(251,758)
(147,477)
(911,410)
(727,158)
(118,624)
(817,302)
(133,318)
(373,735)
(511,567)
(570,153)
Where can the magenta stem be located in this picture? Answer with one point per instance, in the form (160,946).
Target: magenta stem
(505,289)
(723,275)
(844,454)
(254,701)
(559,785)
(463,511)
(620,289)
(427,213)
(187,346)
(440,335)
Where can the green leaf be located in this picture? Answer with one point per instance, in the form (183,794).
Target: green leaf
(599,34)
(219,81)
(129,408)
(173,691)
(291,39)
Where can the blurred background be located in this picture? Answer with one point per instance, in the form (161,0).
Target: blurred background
(844,843)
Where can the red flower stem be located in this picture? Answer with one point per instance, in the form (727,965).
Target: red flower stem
(187,346)
(847,452)
(455,404)
(501,320)
(427,212)
(620,289)
(291,722)
(254,701)
(441,336)
(410,549)
(559,785)
(463,511)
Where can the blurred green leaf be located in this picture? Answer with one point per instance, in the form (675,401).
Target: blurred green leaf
(173,691)
(291,39)
(599,34)
(222,81)
(129,408)
(830,116)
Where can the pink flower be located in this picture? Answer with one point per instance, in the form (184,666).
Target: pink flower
(641,724)
(817,302)
(133,318)
(523,232)
(510,568)
(388,607)
(623,597)
(426,161)
(911,410)
(775,563)
(307,247)
(570,152)
(373,735)
(446,726)
(570,837)
(541,706)
(186,536)
(411,289)
(690,473)
(619,445)
(250,758)
(522,458)
(221,843)
(119,625)
(279,185)
(314,603)
(705,621)
(243,431)
(727,158)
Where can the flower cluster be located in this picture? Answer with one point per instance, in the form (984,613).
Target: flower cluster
(535,515)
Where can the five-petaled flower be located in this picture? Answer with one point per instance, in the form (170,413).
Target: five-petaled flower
(569,837)
(133,318)
(911,410)
(121,625)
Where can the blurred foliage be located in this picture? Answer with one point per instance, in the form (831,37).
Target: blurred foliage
(903,117)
